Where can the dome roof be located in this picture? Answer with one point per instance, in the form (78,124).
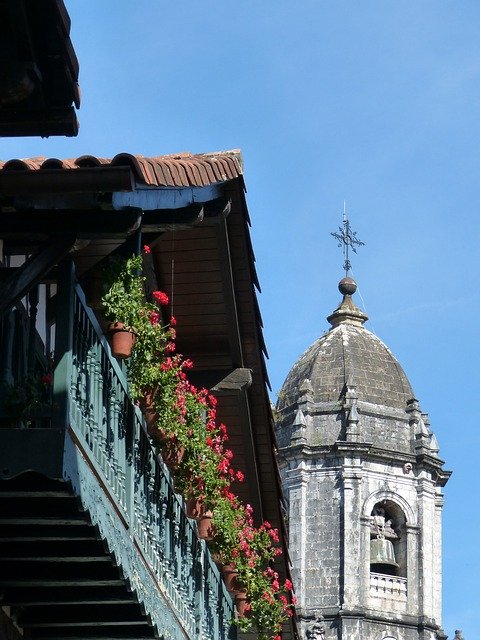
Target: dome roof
(353,355)
(349,389)
(348,354)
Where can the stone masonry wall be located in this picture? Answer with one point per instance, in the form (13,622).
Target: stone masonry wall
(322,541)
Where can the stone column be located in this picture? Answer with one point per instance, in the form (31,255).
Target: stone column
(297,482)
(351,531)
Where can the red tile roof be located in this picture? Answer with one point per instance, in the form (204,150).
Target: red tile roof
(179,170)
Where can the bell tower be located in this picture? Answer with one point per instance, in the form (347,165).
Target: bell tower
(363,480)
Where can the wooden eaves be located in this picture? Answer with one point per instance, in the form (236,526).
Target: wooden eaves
(39,70)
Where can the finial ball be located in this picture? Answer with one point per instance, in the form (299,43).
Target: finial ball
(347,286)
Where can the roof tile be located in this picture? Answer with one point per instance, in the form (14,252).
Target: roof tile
(180,170)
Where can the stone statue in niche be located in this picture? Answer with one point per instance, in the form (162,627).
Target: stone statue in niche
(316,629)
(381,524)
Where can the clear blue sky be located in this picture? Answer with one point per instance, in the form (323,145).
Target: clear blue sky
(377,103)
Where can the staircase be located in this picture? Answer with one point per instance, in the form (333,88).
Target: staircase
(57,578)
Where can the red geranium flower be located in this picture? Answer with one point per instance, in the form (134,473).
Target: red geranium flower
(47,378)
(161,297)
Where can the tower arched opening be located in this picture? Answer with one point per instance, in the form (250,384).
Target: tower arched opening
(388,542)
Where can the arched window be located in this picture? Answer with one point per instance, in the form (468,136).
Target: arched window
(388,544)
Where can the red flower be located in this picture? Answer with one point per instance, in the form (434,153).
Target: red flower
(288,585)
(173,321)
(160,296)
(146,249)
(47,378)
(154,317)
(274,535)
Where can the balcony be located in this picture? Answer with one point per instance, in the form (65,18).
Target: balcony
(389,587)
(93,535)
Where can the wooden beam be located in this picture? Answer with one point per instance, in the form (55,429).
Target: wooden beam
(81,180)
(221,381)
(159,220)
(235,382)
(83,223)
(32,272)
(53,121)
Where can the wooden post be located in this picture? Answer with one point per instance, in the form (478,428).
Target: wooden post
(32,332)
(63,345)
(199,577)
(131,434)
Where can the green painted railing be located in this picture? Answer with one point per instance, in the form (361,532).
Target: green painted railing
(110,431)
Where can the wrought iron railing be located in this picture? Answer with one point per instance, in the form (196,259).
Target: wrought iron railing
(110,429)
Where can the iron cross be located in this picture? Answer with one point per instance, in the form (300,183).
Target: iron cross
(347,238)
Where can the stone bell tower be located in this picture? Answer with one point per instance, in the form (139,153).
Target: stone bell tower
(363,479)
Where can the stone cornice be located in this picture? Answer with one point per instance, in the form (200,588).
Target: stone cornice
(366,450)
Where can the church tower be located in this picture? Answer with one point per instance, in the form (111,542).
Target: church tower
(363,481)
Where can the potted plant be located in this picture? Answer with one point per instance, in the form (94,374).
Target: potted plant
(30,400)
(183,425)
(123,302)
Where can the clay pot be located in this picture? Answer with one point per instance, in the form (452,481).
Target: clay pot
(194,508)
(121,340)
(230,578)
(204,526)
(150,415)
(242,604)
(172,455)
(217,559)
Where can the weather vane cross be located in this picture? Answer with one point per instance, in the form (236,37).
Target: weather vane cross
(347,238)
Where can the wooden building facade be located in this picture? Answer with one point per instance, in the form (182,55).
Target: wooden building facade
(94,541)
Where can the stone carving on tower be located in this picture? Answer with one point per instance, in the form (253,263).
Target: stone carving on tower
(363,481)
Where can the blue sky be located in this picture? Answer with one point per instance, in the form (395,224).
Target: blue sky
(377,103)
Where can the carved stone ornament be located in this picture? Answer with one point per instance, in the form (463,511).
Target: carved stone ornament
(316,629)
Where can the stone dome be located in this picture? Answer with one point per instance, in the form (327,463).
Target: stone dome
(353,355)
(349,386)
(348,354)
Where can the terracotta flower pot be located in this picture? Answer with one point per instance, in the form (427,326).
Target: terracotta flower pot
(172,455)
(204,526)
(151,416)
(217,559)
(194,508)
(241,604)
(230,578)
(121,340)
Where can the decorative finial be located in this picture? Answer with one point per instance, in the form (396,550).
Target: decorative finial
(347,238)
